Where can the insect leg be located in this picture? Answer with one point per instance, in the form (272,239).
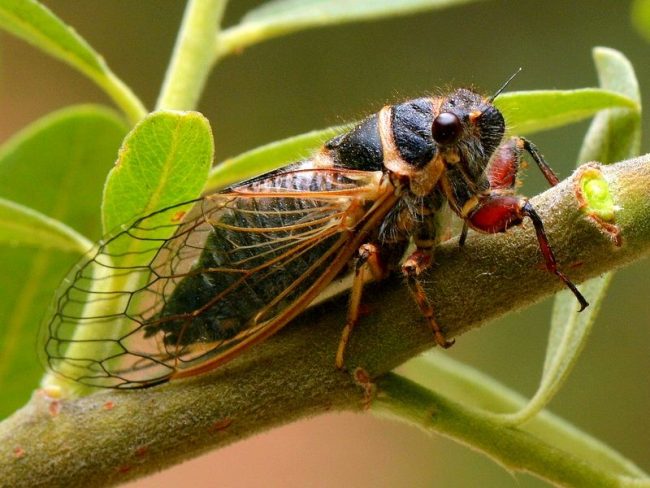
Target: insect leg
(496,213)
(503,169)
(414,265)
(504,166)
(531,149)
(463,235)
(369,260)
(547,252)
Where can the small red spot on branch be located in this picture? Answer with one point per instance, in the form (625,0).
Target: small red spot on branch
(19,452)
(141,451)
(221,425)
(363,379)
(109,405)
(54,408)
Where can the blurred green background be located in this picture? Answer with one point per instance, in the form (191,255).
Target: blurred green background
(328,76)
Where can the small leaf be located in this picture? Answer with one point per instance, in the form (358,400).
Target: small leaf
(614,134)
(567,338)
(163,161)
(640,12)
(270,156)
(37,25)
(57,167)
(282,17)
(533,111)
(22,226)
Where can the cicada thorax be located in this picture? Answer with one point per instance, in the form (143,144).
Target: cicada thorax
(433,149)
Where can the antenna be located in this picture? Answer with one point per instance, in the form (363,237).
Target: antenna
(503,87)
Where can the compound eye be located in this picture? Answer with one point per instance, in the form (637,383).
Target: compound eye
(446,128)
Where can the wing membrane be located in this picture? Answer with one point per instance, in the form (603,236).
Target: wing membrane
(208,277)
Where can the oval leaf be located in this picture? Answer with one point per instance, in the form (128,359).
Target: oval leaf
(614,135)
(34,23)
(57,167)
(533,111)
(163,161)
(282,17)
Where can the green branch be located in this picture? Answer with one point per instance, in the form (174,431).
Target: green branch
(464,384)
(113,436)
(193,55)
(515,449)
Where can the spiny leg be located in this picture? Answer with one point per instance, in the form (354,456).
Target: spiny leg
(496,213)
(528,210)
(369,260)
(546,170)
(463,234)
(549,258)
(504,166)
(414,265)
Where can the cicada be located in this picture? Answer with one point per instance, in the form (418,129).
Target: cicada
(230,269)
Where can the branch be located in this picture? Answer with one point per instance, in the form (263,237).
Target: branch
(514,449)
(114,436)
(191,62)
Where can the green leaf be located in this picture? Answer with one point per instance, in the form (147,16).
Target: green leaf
(282,17)
(34,23)
(22,226)
(57,167)
(640,13)
(270,156)
(534,111)
(164,160)
(614,134)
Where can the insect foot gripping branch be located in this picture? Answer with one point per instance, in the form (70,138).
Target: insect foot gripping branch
(242,262)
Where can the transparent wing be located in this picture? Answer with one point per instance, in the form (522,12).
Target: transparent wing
(188,287)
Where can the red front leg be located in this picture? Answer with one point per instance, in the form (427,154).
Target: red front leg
(504,166)
(505,163)
(496,213)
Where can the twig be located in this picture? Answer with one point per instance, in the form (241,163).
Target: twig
(114,436)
